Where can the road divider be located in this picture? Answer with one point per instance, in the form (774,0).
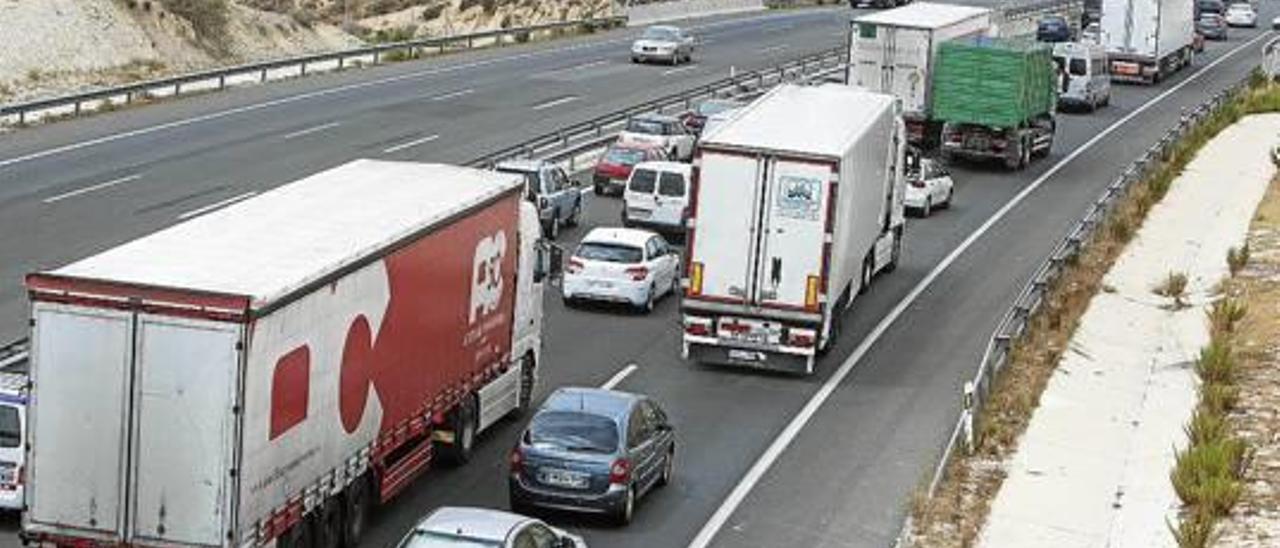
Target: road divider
(91,188)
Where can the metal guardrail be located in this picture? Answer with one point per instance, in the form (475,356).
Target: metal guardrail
(130,92)
(1031,298)
(13,354)
(566,143)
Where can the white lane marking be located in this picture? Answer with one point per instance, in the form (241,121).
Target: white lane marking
(573,68)
(411,144)
(310,130)
(618,377)
(453,94)
(216,205)
(789,433)
(556,102)
(341,89)
(669,72)
(91,188)
(772,49)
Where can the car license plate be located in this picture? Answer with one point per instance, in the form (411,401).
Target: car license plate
(600,283)
(563,478)
(746,355)
(1126,68)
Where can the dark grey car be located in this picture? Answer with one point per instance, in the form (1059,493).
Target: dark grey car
(592,450)
(558,198)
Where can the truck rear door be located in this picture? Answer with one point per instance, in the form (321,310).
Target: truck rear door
(728,190)
(892,60)
(794,219)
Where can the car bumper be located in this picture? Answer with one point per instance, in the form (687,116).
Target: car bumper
(913,201)
(613,291)
(652,55)
(608,502)
(11,499)
(782,359)
(609,185)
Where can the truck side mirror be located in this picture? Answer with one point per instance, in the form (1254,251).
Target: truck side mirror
(550,262)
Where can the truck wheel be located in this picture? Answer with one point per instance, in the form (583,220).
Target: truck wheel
(357,501)
(524,401)
(553,229)
(867,269)
(1012,159)
(896,252)
(300,535)
(329,526)
(463,423)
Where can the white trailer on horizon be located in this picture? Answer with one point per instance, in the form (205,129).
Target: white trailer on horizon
(797,205)
(1147,40)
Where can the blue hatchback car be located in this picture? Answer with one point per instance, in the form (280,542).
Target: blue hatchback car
(592,450)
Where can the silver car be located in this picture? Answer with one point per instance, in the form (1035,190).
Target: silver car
(663,43)
(480,527)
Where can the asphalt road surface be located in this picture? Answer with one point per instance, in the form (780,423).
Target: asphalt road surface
(842,480)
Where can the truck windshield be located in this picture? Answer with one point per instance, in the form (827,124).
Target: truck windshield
(574,431)
(609,253)
(10,427)
(1078,67)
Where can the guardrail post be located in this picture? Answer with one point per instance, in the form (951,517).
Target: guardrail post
(303,70)
(264,75)
(222,81)
(376,56)
(340,62)
(128,97)
(470,43)
(77,108)
(177,88)
(968,416)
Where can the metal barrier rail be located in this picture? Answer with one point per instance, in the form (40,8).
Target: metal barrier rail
(13,353)
(176,83)
(1031,298)
(597,132)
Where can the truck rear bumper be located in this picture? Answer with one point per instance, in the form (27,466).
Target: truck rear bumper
(795,361)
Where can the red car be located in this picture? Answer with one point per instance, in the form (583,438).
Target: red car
(614,167)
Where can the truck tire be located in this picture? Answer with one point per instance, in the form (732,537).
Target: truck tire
(524,399)
(896,253)
(329,524)
(1013,159)
(357,501)
(300,535)
(463,421)
(868,271)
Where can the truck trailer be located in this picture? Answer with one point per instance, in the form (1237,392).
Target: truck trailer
(1147,40)
(797,205)
(267,373)
(894,52)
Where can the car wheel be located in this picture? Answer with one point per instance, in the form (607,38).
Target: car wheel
(668,468)
(553,229)
(635,60)
(675,285)
(946,204)
(647,307)
(927,208)
(628,509)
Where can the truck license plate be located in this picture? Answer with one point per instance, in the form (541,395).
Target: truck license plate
(563,478)
(746,355)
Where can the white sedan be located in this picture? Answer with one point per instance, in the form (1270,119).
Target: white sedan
(621,265)
(663,43)
(1242,15)
(460,526)
(928,187)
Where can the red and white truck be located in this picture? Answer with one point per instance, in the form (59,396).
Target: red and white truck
(269,372)
(797,205)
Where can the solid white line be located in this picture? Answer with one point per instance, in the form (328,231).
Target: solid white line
(618,377)
(669,72)
(556,102)
(789,433)
(412,143)
(91,188)
(215,205)
(771,49)
(453,94)
(310,130)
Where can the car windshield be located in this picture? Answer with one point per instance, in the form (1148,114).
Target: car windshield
(649,127)
(624,156)
(574,431)
(642,181)
(659,33)
(671,184)
(10,427)
(609,253)
(1209,19)
(432,539)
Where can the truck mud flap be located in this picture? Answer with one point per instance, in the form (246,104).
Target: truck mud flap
(751,359)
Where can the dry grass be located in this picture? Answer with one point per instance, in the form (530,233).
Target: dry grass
(208,18)
(1173,286)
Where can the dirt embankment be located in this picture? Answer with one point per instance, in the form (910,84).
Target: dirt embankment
(64,46)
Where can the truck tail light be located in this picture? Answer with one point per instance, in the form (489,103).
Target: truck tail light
(695,278)
(575,266)
(999,144)
(812,283)
(638,273)
(804,338)
(517,461)
(735,328)
(697,329)
(620,472)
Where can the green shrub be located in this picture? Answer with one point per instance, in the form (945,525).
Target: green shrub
(1237,258)
(1206,427)
(1196,530)
(207,17)
(1218,398)
(1205,475)
(1225,314)
(1174,286)
(1216,363)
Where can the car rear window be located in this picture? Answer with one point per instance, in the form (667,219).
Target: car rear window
(624,156)
(642,180)
(647,127)
(432,539)
(610,253)
(574,431)
(671,184)
(1078,67)
(10,427)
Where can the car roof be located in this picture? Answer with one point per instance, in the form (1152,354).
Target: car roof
(679,167)
(616,235)
(596,401)
(521,165)
(655,117)
(477,523)
(13,388)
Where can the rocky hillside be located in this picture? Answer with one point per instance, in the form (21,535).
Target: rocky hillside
(67,45)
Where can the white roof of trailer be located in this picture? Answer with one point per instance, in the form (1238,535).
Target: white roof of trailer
(273,244)
(923,15)
(820,120)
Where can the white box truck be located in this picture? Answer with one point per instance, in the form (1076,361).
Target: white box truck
(1147,40)
(797,205)
(894,51)
(266,373)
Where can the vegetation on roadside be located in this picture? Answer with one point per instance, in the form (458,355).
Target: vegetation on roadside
(208,18)
(956,511)
(1173,286)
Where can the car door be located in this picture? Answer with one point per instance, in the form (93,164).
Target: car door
(653,261)
(563,191)
(662,429)
(683,141)
(643,450)
(670,198)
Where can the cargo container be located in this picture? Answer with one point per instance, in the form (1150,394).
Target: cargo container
(268,372)
(894,52)
(797,205)
(996,99)
(1147,40)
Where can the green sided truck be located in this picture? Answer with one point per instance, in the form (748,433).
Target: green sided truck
(996,99)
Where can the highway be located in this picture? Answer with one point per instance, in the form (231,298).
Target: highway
(891,385)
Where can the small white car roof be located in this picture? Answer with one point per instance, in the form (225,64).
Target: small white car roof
(679,167)
(617,235)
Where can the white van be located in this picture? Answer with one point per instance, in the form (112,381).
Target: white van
(1085,76)
(13,421)
(657,196)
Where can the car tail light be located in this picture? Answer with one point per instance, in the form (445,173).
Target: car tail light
(575,266)
(918,183)
(517,460)
(638,273)
(695,278)
(620,472)
(811,286)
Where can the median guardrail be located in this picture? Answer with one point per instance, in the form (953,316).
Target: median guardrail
(13,354)
(219,79)
(1031,298)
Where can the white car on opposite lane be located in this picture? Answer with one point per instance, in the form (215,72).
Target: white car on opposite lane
(621,265)
(1241,15)
(928,187)
(663,43)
